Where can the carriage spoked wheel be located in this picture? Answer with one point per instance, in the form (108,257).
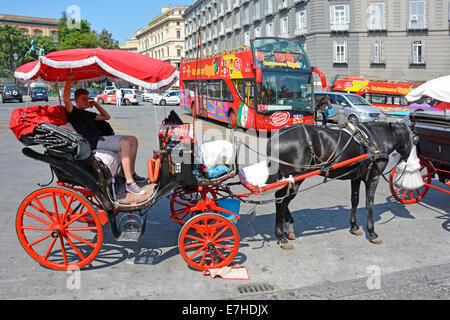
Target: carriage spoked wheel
(412,196)
(208,241)
(88,194)
(183,200)
(54,231)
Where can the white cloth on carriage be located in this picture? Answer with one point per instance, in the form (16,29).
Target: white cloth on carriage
(109,158)
(256,174)
(214,153)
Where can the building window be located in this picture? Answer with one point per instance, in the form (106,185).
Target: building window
(221,7)
(247,38)
(377,20)
(269,29)
(340,51)
(269,6)
(178,34)
(418,52)
(377,57)
(300,20)
(417,15)
(284,25)
(246,15)
(340,14)
(257,5)
(258,32)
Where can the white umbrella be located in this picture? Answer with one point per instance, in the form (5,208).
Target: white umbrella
(438,89)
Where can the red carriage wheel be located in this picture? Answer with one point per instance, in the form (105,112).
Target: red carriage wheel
(183,200)
(88,194)
(412,196)
(208,241)
(54,232)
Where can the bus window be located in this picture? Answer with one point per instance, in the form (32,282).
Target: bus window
(376,98)
(213,88)
(246,91)
(398,100)
(226,93)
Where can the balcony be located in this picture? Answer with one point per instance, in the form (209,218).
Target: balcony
(300,32)
(268,12)
(377,60)
(417,61)
(236,26)
(283,5)
(339,27)
(236,4)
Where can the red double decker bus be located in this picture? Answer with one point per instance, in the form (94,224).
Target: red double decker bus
(265,87)
(386,95)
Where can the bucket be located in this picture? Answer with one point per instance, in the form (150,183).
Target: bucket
(232,205)
(330,112)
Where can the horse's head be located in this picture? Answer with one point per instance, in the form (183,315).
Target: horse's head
(404,139)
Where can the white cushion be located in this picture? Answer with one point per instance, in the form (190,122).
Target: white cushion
(110,158)
(216,153)
(256,174)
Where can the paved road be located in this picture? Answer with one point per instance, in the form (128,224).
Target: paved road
(327,262)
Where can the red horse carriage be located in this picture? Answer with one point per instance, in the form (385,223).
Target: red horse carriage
(433,132)
(61,227)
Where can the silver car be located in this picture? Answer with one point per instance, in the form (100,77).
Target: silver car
(356,108)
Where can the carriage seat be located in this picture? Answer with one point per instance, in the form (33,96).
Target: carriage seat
(218,157)
(109,158)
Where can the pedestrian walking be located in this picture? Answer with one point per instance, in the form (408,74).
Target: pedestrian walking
(118,97)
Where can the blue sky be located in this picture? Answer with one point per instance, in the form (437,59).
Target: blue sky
(120,18)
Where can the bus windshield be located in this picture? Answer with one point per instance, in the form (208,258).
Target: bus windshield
(278,53)
(284,92)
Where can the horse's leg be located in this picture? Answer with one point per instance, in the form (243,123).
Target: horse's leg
(281,210)
(288,220)
(354,228)
(371,187)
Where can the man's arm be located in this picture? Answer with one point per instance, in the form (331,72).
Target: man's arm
(104,115)
(67,90)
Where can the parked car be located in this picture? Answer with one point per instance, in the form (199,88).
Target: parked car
(93,93)
(170,97)
(39,94)
(129,96)
(148,96)
(356,108)
(11,92)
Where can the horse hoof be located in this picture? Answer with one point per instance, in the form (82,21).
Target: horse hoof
(287,246)
(290,235)
(358,232)
(376,240)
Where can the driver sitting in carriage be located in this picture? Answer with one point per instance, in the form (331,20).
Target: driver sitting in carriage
(84,123)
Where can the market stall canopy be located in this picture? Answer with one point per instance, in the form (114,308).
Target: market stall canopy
(438,89)
(96,64)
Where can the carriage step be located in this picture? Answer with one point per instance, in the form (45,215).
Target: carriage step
(132,228)
(129,236)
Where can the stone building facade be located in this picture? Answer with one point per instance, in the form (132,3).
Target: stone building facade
(393,40)
(32,25)
(163,38)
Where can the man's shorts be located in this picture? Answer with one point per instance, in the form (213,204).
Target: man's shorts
(111,143)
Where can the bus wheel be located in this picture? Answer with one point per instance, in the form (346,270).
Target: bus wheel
(232,121)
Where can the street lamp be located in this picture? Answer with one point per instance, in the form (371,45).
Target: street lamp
(16,57)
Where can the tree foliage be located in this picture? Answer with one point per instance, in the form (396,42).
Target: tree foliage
(11,41)
(73,35)
(70,36)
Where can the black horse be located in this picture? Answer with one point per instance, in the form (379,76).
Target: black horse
(299,149)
